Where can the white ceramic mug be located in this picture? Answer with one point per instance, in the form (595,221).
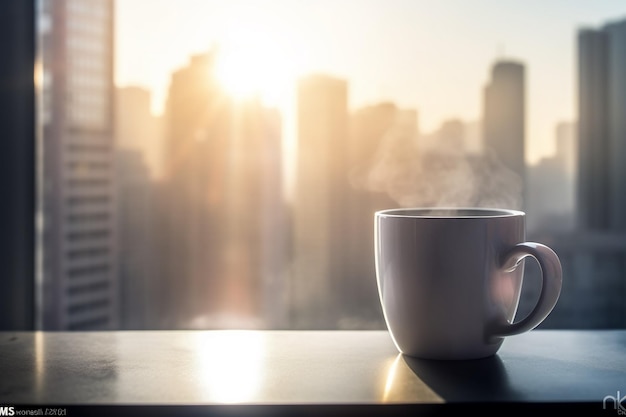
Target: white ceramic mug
(449,279)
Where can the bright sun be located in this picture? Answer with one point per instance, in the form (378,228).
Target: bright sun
(252,62)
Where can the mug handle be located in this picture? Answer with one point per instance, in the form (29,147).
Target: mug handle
(552,277)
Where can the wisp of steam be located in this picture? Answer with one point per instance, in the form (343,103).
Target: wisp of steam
(440,174)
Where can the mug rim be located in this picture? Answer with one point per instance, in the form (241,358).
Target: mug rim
(427,213)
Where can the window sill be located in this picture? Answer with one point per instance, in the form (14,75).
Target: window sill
(291,368)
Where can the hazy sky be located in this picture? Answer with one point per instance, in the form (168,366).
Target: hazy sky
(434,56)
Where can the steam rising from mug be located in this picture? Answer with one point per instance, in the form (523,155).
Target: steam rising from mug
(441,174)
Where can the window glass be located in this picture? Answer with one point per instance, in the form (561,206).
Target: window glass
(217,164)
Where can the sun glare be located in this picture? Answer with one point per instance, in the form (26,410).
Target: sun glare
(231,365)
(252,62)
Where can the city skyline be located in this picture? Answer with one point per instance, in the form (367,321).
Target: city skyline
(440,71)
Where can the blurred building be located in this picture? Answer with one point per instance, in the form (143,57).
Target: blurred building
(567,147)
(224,226)
(79,252)
(369,128)
(249,287)
(473,143)
(190,226)
(320,213)
(504,118)
(551,182)
(602,127)
(451,135)
(139,278)
(136,135)
(137,128)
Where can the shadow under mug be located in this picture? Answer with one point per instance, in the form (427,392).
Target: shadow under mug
(449,279)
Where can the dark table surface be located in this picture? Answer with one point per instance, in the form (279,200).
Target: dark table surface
(303,368)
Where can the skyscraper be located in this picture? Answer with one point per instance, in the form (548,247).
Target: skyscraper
(551,197)
(504,117)
(196,116)
(319,207)
(370,129)
(79,265)
(137,244)
(136,136)
(251,287)
(136,128)
(224,224)
(602,127)
(592,130)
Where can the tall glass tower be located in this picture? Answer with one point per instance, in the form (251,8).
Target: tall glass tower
(504,115)
(79,266)
(602,127)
